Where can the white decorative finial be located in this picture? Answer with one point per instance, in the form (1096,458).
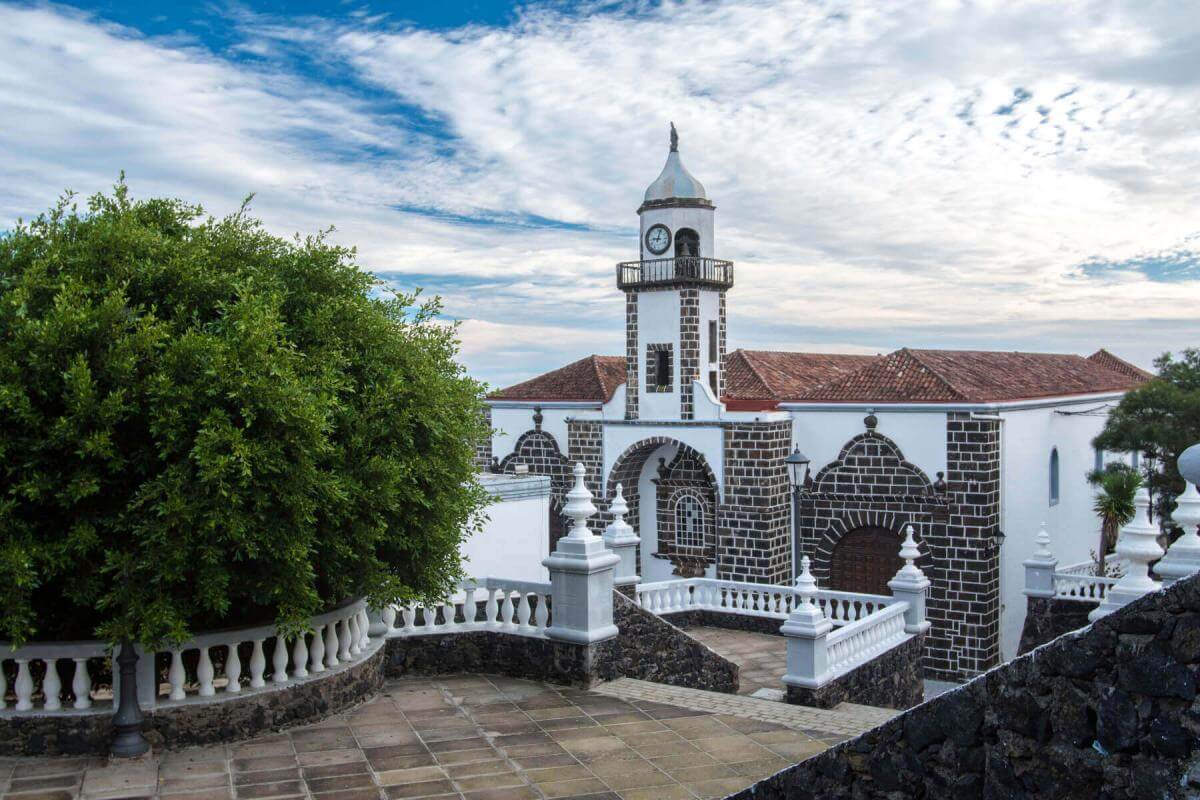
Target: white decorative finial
(618,508)
(579,505)
(1043,542)
(1137,543)
(1183,556)
(806,584)
(910,553)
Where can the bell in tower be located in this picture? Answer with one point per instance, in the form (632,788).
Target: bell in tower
(674,299)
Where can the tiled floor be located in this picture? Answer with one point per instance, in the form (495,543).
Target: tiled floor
(761,656)
(469,737)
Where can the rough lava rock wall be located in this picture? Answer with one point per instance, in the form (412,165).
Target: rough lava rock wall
(893,680)
(1047,618)
(1110,711)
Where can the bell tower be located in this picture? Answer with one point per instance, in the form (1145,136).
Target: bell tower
(674,299)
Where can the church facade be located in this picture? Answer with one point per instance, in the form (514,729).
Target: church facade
(974,449)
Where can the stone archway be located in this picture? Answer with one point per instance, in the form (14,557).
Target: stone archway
(864,560)
(681,476)
(540,452)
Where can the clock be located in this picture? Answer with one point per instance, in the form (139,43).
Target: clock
(658,239)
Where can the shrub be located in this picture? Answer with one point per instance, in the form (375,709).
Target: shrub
(203,425)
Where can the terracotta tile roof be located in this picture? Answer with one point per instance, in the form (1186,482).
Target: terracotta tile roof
(972,376)
(591,378)
(776,376)
(1107,359)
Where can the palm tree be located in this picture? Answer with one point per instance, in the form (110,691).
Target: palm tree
(1117,484)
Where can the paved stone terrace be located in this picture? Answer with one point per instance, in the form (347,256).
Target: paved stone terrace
(761,657)
(470,738)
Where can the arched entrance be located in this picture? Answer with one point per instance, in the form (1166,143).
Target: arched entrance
(864,560)
(673,505)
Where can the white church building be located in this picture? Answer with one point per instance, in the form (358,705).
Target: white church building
(974,449)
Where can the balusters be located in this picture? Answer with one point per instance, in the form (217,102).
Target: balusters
(24,685)
(331,645)
(506,610)
(523,613)
(299,657)
(343,628)
(542,612)
(279,660)
(175,675)
(258,665)
(81,685)
(316,651)
(430,613)
(491,608)
(389,619)
(233,670)
(51,685)
(355,635)
(410,618)
(469,608)
(204,674)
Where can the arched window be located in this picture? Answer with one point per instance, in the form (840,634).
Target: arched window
(687,243)
(689,522)
(1054,476)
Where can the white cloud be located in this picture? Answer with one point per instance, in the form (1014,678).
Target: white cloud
(928,173)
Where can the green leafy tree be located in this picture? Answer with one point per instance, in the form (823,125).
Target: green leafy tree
(1116,485)
(1160,419)
(204,425)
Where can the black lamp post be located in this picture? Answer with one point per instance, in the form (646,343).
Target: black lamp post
(127,722)
(797,464)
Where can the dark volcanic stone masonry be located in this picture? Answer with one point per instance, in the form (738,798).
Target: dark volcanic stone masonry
(893,680)
(225,719)
(1110,711)
(1047,618)
(647,648)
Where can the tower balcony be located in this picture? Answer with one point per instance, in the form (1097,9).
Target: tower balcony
(690,270)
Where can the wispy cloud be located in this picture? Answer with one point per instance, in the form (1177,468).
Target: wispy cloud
(1013,175)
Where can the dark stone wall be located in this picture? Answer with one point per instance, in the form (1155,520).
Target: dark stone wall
(631,355)
(893,680)
(483,448)
(226,718)
(647,648)
(754,528)
(689,350)
(1047,618)
(717,619)
(1109,712)
(651,648)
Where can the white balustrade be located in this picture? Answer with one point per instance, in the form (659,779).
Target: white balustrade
(856,643)
(41,668)
(1081,586)
(752,599)
(521,608)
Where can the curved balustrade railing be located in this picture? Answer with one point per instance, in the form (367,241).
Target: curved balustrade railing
(858,642)
(521,608)
(1082,587)
(337,637)
(752,599)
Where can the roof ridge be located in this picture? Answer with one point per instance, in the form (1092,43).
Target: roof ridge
(595,359)
(766,386)
(934,372)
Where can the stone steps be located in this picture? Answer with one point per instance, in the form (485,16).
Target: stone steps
(843,721)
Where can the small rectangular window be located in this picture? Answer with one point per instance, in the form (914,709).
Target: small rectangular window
(712,383)
(662,372)
(1136,460)
(712,341)
(1099,465)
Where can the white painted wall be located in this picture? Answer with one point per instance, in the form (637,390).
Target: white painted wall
(921,435)
(516,536)
(701,220)
(1028,436)
(658,323)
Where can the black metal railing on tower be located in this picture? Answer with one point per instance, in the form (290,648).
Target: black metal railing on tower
(666,271)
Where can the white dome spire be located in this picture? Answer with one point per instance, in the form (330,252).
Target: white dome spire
(675,181)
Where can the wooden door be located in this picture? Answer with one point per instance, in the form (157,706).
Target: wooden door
(864,560)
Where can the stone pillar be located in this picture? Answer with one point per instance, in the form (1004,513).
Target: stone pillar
(1137,543)
(581,576)
(806,628)
(1039,568)
(911,585)
(620,538)
(1183,556)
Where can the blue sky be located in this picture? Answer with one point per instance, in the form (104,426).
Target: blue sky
(985,175)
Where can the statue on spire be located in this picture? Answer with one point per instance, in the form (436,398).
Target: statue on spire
(674,139)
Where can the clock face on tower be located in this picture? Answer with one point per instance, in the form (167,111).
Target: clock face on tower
(658,239)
